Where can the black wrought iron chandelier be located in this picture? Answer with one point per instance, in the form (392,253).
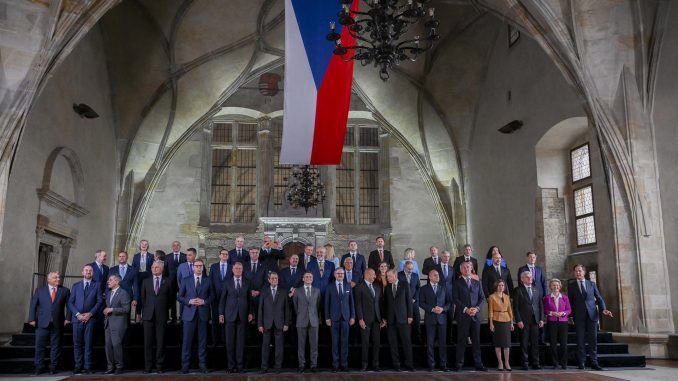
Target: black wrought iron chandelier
(378,32)
(304,188)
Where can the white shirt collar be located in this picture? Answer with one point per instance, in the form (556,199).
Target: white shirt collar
(560,295)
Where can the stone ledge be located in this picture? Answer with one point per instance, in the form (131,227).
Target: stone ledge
(650,345)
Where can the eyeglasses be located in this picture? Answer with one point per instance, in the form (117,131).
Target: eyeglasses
(198,266)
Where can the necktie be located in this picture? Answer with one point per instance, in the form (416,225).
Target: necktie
(353,256)
(529,291)
(273,293)
(176,257)
(445,271)
(394,288)
(498,271)
(468,283)
(348,276)
(110,301)
(381,255)
(237,284)
(372,290)
(322,268)
(239,253)
(341,290)
(532,271)
(254,267)
(435,260)
(101,271)
(123,271)
(409,278)
(157,285)
(308,292)
(293,271)
(86,287)
(582,288)
(435,289)
(197,283)
(53,294)
(223,271)
(191,266)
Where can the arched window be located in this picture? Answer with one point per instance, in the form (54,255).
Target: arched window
(582,193)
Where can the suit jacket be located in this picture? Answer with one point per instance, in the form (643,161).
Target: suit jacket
(307,309)
(463,297)
(398,307)
(457,263)
(236,304)
(233,256)
(216,279)
(414,286)
(155,305)
(490,276)
(328,275)
(429,265)
(43,311)
(563,306)
(136,262)
(273,311)
(339,307)
(81,302)
(428,300)
(183,272)
(539,279)
(448,281)
(585,305)
(188,292)
(172,267)
(270,259)
(288,281)
(356,276)
(100,276)
(373,260)
(359,262)
(524,308)
(302,260)
(367,307)
(119,317)
(130,282)
(259,279)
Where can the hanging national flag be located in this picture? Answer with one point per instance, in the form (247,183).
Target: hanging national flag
(317,84)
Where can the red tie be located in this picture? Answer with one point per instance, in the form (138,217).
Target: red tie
(53,294)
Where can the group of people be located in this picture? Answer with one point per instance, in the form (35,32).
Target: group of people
(350,294)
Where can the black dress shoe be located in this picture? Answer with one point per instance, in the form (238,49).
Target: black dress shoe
(52,371)
(500,369)
(481,368)
(508,369)
(396,369)
(264,370)
(204,370)
(87,372)
(536,367)
(77,371)
(444,368)
(581,367)
(314,369)
(37,371)
(457,368)
(376,369)
(563,367)
(335,370)
(431,369)
(118,372)
(597,367)
(343,369)
(301,370)
(109,371)
(183,371)
(363,369)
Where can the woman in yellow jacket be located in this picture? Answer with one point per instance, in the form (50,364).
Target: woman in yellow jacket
(501,323)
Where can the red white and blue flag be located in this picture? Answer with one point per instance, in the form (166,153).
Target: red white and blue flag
(317,84)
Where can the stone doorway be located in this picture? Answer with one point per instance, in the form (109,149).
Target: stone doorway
(290,248)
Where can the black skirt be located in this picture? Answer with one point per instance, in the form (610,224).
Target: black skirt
(501,338)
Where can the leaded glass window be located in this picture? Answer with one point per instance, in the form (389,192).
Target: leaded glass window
(581,164)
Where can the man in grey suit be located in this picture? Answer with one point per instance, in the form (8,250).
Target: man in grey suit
(273,319)
(116,317)
(306,301)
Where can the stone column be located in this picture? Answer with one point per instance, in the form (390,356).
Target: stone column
(206,175)
(384,219)
(264,168)
(551,237)
(328,177)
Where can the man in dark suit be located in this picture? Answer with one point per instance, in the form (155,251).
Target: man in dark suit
(185,269)
(399,317)
(538,277)
(495,272)
(236,310)
(84,303)
(339,315)
(584,297)
(219,273)
(129,276)
(269,255)
(412,280)
(116,315)
(528,312)
(100,270)
(155,295)
(380,255)
(359,261)
(307,257)
(447,280)
(239,253)
(195,296)
(273,317)
(323,270)
(256,273)
(291,277)
(435,301)
(368,305)
(466,257)
(142,261)
(306,302)
(431,262)
(468,297)
(352,276)
(172,262)
(49,316)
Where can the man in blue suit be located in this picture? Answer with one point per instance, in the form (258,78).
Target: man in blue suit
(142,261)
(584,297)
(358,259)
(84,303)
(468,298)
(291,277)
(239,253)
(323,270)
(339,315)
(435,301)
(236,310)
(100,270)
(412,279)
(49,316)
(538,277)
(447,280)
(257,274)
(353,276)
(130,278)
(173,260)
(307,257)
(195,297)
(185,269)
(219,272)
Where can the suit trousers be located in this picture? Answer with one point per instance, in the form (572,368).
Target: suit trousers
(83,344)
(439,330)
(466,325)
(529,342)
(340,343)
(235,343)
(558,335)
(416,325)
(217,329)
(312,334)
(114,353)
(154,331)
(189,331)
(371,331)
(278,338)
(54,334)
(587,334)
(401,331)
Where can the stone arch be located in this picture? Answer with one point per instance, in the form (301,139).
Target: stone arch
(76,173)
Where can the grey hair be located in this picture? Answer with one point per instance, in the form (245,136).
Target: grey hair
(116,276)
(159,263)
(528,272)
(555,280)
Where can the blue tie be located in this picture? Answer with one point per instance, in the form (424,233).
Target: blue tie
(123,270)
(223,271)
